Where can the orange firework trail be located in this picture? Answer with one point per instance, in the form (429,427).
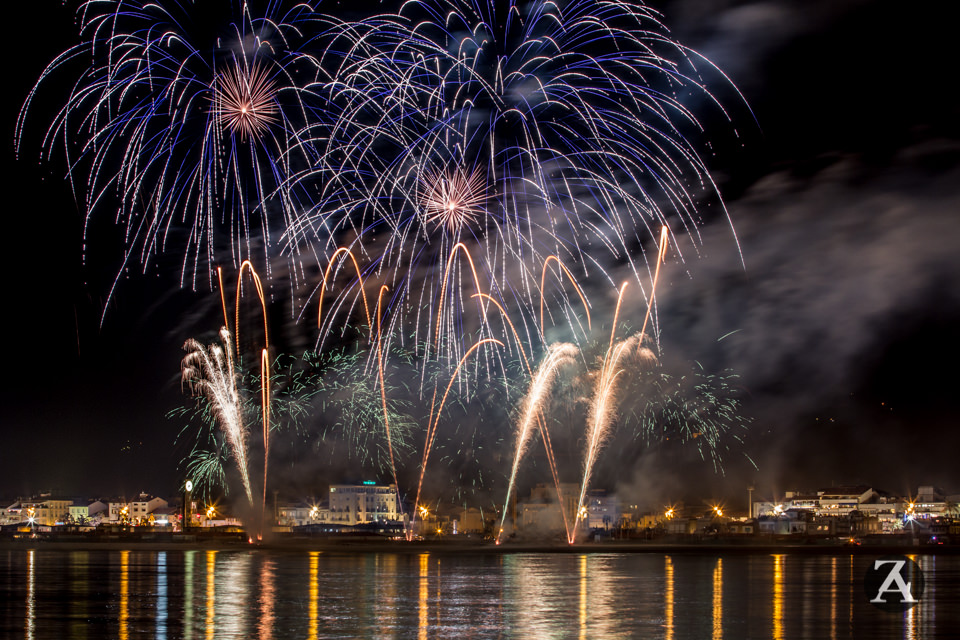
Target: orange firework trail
(326,276)
(265,404)
(503,312)
(661,254)
(223,299)
(446,274)
(543,276)
(263,303)
(434,419)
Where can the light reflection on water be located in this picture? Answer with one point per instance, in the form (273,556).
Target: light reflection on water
(132,594)
(31,594)
(668,597)
(267,597)
(778,597)
(313,599)
(124,594)
(718,600)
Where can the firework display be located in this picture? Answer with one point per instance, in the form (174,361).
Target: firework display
(472,163)
(475,142)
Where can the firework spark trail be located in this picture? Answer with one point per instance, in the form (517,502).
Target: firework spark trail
(544,432)
(211,371)
(434,418)
(377,337)
(558,355)
(223,298)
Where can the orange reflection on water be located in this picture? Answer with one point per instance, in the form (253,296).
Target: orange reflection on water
(777,597)
(211,594)
(424,594)
(668,597)
(911,617)
(718,600)
(267,597)
(124,594)
(833,598)
(314,594)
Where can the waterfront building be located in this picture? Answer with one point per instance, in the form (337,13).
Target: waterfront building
(86,511)
(46,510)
(352,504)
(135,511)
(296,514)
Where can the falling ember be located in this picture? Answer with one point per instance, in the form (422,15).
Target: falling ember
(210,371)
(244,100)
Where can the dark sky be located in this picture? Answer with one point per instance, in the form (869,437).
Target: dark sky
(844,196)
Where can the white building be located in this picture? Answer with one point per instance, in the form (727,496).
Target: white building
(840,501)
(352,504)
(136,511)
(11,514)
(300,514)
(85,512)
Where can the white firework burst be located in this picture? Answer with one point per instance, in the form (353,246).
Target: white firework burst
(244,100)
(453,199)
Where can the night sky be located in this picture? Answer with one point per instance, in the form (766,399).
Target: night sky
(840,318)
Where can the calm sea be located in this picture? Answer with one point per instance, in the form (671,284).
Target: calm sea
(286,594)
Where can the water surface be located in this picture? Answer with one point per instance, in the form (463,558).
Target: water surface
(206,594)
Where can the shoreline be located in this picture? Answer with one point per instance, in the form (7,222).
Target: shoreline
(441,547)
